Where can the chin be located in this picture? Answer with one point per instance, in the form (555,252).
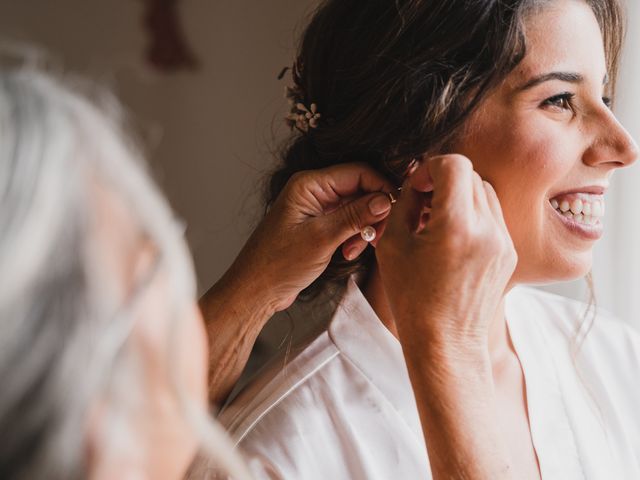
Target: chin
(574,265)
(562,267)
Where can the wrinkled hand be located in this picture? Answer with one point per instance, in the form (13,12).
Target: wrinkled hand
(446,257)
(316,213)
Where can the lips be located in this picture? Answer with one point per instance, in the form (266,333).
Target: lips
(590,189)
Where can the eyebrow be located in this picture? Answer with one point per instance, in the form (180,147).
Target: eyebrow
(569,77)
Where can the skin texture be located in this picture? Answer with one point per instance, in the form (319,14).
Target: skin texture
(529,147)
(526,150)
(535,151)
(163,443)
(314,215)
(318,213)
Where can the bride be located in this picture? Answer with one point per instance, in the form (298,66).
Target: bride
(438,360)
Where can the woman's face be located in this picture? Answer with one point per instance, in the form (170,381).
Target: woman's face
(163,442)
(547,141)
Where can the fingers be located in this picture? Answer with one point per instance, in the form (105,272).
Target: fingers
(353,247)
(480,194)
(494,203)
(453,183)
(351,218)
(332,185)
(443,184)
(351,178)
(420,177)
(407,211)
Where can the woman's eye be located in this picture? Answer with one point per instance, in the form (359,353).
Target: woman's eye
(607,101)
(562,101)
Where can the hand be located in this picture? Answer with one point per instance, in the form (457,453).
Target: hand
(445,261)
(446,257)
(316,213)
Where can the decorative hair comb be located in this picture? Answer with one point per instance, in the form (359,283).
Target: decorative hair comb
(301,117)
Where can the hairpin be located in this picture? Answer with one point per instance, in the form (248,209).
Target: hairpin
(300,116)
(303,118)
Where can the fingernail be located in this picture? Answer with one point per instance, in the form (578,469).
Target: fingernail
(379,204)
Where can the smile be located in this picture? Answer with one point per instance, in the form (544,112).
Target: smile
(581,213)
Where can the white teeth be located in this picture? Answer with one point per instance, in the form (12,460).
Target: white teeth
(580,206)
(580,218)
(597,210)
(576,206)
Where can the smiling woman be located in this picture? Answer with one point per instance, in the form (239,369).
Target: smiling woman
(558,144)
(616,259)
(507,106)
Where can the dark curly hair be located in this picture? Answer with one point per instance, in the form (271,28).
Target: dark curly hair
(396,79)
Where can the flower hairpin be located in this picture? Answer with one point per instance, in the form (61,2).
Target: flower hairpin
(300,116)
(304,118)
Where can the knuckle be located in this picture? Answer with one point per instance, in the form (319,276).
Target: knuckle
(450,168)
(459,238)
(489,190)
(299,178)
(352,217)
(457,162)
(488,186)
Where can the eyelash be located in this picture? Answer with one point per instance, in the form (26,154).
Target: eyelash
(567,101)
(565,98)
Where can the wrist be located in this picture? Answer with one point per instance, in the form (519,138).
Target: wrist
(442,356)
(239,296)
(250,291)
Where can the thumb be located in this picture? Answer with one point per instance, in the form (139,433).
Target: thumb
(352,217)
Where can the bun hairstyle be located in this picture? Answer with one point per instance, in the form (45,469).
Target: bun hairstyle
(396,79)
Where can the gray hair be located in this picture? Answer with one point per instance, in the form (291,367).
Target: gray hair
(63,342)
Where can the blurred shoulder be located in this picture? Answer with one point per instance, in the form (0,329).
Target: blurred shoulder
(608,340)
(567,314)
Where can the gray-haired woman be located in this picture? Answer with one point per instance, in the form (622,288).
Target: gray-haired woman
(103,351)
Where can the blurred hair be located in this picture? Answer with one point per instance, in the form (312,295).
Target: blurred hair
(63,340)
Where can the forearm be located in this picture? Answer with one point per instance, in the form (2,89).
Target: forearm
(455,398)
(235,310)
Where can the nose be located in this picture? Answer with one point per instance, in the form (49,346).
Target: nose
(614,146)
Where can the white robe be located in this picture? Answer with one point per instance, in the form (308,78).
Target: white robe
(344,408)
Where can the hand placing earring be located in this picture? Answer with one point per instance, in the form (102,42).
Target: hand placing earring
(368,233)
